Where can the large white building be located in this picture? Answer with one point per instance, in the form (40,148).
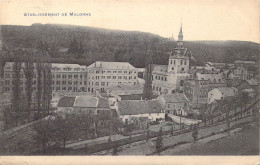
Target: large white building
(166,79)
(65,77)
(101,75)
(68,77)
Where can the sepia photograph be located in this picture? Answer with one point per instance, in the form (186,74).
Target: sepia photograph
(124,78)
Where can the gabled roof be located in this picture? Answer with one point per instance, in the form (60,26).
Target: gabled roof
(226,91)
(87,101)
(252,82)
(91,102)
(66,101)
(173,98)
(134,107)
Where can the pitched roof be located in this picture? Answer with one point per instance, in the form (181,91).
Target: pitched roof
(91,101)
(134,107)
(173,98)
(252,82)
(131,97)
(88,101)
(161,69)
(226,91)
(66,101)
(103,103)
(111,65)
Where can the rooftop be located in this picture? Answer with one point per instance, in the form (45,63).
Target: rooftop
(111,65)
(134,107)
(172,98)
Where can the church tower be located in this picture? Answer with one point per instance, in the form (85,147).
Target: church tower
(179,60)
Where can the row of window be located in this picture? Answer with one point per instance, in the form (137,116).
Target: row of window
(68,69)
(107,83)
(69,83)
(64,76)
(114,77)
(157,77)
(115,71)
(181,62)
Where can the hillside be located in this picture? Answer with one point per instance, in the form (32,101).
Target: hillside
(115,45)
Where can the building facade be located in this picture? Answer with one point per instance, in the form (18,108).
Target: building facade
(220,93)
(101,75)
(68,77)
(65,77)
(175,104)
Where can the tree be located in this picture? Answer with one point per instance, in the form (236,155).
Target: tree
(228,103)
(29,72)
(109,144)
(147,135)
(171,130)
(115,151)
(44,134)
(159,142)
(195,134)
(17,66)
(39,86)
(64,129)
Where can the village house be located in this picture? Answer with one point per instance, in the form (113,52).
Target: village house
(88,104)
(203,80)
(174,104)
(131,109)
(220,93)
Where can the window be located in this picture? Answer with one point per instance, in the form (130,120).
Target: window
(58,82)
(64,76)
(102,83)
(64,83)
(7,75)
(57,76)
(7,82)
(76,76)
(114,77)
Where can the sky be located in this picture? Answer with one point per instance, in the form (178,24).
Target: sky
(201,19)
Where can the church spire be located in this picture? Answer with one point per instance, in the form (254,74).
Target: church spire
(180,38)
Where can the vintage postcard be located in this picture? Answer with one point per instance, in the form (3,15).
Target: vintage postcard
(161,82)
